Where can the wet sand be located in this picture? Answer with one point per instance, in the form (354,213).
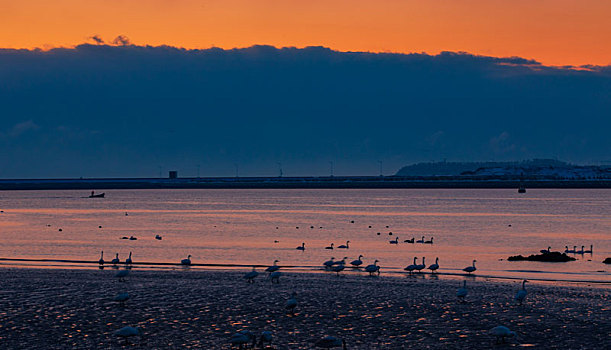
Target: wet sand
(65,309)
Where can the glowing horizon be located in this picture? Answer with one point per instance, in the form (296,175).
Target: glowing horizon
(558,32)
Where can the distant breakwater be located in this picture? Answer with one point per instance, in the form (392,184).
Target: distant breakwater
(330,182)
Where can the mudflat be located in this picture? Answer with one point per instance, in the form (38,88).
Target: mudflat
(187,308)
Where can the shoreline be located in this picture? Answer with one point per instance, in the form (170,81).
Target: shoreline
(58,308)
(392,272)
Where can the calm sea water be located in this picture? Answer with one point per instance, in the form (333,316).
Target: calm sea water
(240,227)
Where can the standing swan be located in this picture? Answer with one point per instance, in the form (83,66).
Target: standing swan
(265,337)
(434,266)
(250,277)
(412,267)
(121,298)
(275,276)
(501,332)
(301,247)
(291,304)
(338,268)
(521,295)
(127,332)
(330,342)
(116,260)
(128,261)
(346,246)
(273,268)
(421,267)
(327,264)
(121,275)
(373,268)
(186,261)
(101,261)
(470,269)
(340,262)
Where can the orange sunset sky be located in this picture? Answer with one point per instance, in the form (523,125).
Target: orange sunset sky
(554,32)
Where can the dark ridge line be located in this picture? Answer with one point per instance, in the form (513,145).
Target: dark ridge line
(305,182)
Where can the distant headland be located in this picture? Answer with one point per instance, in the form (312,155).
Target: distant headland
(533,169)
(537,173)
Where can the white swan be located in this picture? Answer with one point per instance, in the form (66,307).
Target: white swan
(373,268)
(329,247)
(101,261)
(420,240)
(186,261)
(434,267)
(429,242)
(330,342)
(340,262)
(242,338)
(521,295)
(301,247)
(275,276)
(239,340)
(501,332)
(121,298)
(412,267)
(421,267)
(127,332)
(346,246)
(338,268)
(358,262)
(128,261)
(116,260)
(589,251)
(121,275)
(250,277)
(470,269)
(327,264)
(463,291)
(265,337)
(291,304)
(273,268)
(395,241)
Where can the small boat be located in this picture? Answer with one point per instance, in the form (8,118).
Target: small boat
(98,195)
